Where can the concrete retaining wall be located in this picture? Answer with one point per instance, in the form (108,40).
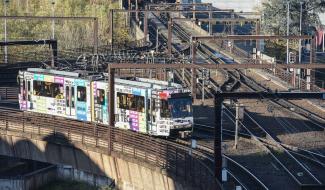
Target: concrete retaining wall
(38,178)
(127,173)
(33,180)
(69,173)
(11,184)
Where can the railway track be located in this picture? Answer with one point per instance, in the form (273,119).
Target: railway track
(296,168)
(298,163)
(251,84)
(237,171)
(235,168)
(310,121)
(236,78)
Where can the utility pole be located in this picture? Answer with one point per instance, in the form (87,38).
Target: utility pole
(157,39)
(170,37)
(288,20)
(5,27)
(145,26)
(203,81)
(237,123)
(53,22)
(193,77)
(204,77)
(136,8)
(210,23)
(300,30)
(239,116)
(194,8)
(323,41)
(111,31)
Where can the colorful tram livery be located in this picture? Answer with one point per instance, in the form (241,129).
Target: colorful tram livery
(142,105)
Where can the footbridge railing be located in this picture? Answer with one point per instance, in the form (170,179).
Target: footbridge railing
(178,161)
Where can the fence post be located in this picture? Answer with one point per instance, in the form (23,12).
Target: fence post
(23,123)
(6,122)
(185,165)
(176,160)
(96,134)
(109,140)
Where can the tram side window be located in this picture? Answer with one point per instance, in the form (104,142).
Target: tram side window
(81,94)
(48,89)
(37,87)
(72,97)
(24,90)
(28,86)
(29,90)
(130,102)
(100,97)
(165,111)
(148,114)
(67,96)
(154,105)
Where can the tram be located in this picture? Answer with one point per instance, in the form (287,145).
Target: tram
(143,105)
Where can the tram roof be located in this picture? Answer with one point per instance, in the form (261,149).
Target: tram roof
(140,82)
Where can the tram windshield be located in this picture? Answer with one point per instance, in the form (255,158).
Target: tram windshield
(177,107)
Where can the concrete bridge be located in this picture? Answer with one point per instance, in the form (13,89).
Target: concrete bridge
(132,160)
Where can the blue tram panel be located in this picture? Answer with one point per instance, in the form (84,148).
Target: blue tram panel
(142,105)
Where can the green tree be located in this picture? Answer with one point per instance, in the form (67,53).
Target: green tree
(275,16)
(70,34)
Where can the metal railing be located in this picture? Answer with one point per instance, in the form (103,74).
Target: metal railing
(178,161)
(8,93)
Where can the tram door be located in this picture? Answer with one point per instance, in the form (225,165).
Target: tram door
(29,94)
(100,106)
(26,94)
(70,109)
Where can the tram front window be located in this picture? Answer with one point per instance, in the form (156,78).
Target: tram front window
(180,107)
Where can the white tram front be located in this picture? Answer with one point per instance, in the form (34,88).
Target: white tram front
(142,105)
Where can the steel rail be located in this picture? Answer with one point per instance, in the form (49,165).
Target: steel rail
(273,155)
(247,171)
(208,150)
(285,104)
(281,146)
(307,157)
(234,176)
(268,150)
(314,157)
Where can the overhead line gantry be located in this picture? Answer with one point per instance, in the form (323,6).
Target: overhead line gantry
(218,100)
(147,11)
